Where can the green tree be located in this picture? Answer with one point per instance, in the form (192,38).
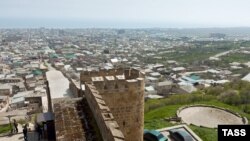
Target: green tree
(245,96)
(230,97)
(217,90)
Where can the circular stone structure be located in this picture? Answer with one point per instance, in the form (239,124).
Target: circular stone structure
(207,116)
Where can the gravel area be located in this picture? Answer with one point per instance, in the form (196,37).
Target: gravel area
(208,116)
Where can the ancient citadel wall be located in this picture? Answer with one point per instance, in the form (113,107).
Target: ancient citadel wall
(109,128)
(123,93)
(128,73)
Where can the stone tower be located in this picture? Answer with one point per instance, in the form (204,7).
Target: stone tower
(123,92)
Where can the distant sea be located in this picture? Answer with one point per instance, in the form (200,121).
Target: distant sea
(73,23)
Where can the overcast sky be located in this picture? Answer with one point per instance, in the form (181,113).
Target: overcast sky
(119,13)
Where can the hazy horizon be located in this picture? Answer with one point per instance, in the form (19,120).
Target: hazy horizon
(124,13)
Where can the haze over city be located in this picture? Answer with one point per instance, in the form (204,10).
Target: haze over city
(124,13)
(124,70)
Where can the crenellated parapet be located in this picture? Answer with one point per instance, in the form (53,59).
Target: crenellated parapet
(114,79)
(109,128)
(128,74)
(116,97)
(117,83)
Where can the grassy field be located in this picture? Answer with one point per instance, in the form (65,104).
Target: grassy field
(4,128)
(195,52)
(206,134)
(154,118)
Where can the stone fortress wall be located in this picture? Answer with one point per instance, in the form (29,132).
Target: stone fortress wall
(116,98)
(109,128)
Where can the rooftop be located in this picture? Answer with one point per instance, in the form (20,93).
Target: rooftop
(5,86)
(246,78)
(165,83)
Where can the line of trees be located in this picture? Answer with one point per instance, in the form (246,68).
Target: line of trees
(236,93)
(233,93)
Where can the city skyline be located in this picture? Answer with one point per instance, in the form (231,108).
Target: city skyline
(124,14)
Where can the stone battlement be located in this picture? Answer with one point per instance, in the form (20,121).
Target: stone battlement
(114,83)
(116,98)
(127,73)
(110,129)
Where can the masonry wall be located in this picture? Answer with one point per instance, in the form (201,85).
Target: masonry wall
(74,87)
(109,128)
(123,92)
(127,107)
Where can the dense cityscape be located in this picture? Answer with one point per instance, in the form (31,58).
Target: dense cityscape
(124,70)
(109,84)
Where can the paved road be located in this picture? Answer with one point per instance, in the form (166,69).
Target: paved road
(58,83)
(32,136)
(15,114)
(224,53)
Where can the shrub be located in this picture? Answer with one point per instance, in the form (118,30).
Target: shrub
(217,90)
(246,108)
(245,96)
(230,97)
